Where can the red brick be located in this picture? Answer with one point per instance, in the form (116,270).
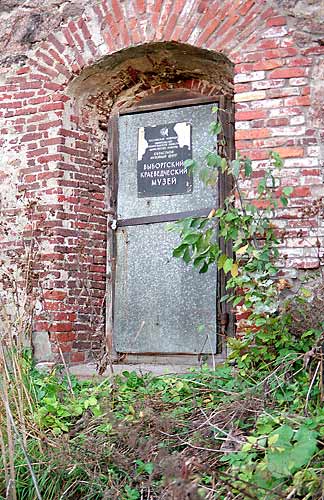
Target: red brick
(52,141)
(305,90)
(311,171)
(11,105)
(63,316)
(41,325)
(225,27)
(315,50)
(276,21)
(82,25)
(51,124)
(299,61)
(62,337)
(242,87)
(57,44)
(68,37)
(23,71)
(37,152)
(54,294)
(117,10)
(23,95)
(56,56)
(140,6)
(290,152)
(297,101)
(268,44)
(206,33)
(301,192)
(47,158)
(48,60)
(268,64)
(252,133)
(39,100)
(53,86)
(246,7)
(77,357)
(277,122)
(61,327)
(64,71)
(53,106)
(92,47)
(250,115)
(255,154)
(31,137)
(287,73)
(64,347)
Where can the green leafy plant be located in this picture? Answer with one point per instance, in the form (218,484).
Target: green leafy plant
(234,431)
(247,227)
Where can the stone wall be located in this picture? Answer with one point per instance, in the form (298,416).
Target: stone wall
(65,66)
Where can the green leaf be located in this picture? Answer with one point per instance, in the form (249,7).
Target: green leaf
(178,251)
(186,256)
(273,439)
(236,166)
(223,165)
(190,239)
(246,447)
(261,186)
(236,301)
(228,265)
(247,167)
(198,261)
(285,433)
(287,457)
(306,292)
(213,159)
(215,128)
(204,223)
(190,164)
(284,201)
(221,261)
(195,222)
(204,268)
(260,321)
(287,190)
(278,163)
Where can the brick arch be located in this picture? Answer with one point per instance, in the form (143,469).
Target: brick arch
(232,28)
(120,79)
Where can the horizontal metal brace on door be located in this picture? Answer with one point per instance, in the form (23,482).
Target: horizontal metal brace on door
(154,219)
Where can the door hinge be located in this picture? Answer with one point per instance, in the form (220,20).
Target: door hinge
(223,322)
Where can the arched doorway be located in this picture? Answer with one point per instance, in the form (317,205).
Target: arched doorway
(153,90)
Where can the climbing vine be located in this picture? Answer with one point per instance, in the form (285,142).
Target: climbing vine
(243,225)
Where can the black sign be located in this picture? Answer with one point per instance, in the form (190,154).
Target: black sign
(161,153)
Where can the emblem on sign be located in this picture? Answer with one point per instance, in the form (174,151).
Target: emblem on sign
(161,153)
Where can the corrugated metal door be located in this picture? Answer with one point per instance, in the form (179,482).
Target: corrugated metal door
(160,304)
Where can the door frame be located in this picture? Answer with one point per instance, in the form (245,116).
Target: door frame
(168,99)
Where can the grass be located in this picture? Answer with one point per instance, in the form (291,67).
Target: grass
(223,434)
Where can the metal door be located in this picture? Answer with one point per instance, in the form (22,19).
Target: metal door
(161,305)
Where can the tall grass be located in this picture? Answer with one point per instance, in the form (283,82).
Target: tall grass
(16,313)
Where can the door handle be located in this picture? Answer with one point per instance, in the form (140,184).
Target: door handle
(113,224)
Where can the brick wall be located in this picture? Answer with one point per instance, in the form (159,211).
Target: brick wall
(56,96)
